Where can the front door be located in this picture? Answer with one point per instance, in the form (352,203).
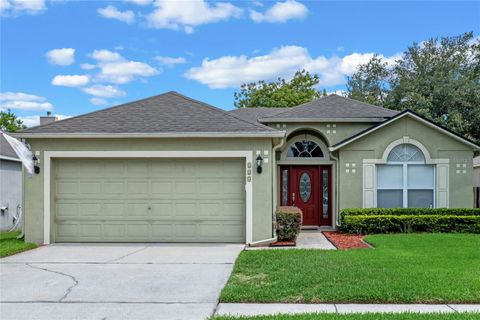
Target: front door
(308,188)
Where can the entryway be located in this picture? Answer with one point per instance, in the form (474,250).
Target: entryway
(308,187)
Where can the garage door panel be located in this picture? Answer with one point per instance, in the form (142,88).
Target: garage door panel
(142,200)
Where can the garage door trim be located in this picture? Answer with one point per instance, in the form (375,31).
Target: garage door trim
(48,155)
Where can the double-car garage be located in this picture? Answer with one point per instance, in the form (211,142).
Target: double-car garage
(148,199)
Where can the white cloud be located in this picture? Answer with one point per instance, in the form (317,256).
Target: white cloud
(98,101)
(23,101)
(74,80)
(140,2)
(31,121)
(110,12)
(17,7)
(178,15)
(281,12)
(106,56)
(61,57)
(104,91)
(232,71)
(116,69)
(87,66)
(170,61)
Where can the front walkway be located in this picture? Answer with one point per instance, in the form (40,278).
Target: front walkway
(307,239)
(117,281)
(254,309)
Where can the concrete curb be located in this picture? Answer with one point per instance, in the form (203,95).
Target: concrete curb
(253,309)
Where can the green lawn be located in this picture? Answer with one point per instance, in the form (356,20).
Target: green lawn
(10,245)
(403,268)
(368,316)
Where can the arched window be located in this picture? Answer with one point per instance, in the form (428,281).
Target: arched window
(405,181)
(304,149)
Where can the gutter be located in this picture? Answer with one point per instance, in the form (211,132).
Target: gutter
(262,134)
(10,159)
(287,120)
(274,184)
(337,183)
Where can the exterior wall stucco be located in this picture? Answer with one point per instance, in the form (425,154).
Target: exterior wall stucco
(438,145)
(262,190)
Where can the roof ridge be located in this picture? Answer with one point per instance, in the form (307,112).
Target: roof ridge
(362,102)
(96,111)
(259,125)
(294,107)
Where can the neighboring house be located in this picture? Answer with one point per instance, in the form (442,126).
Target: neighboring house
(476,182)
(172,169)
(10,185)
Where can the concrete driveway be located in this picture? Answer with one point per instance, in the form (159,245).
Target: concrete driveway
(118,281)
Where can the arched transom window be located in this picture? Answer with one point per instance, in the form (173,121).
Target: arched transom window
(405,181)
(304,149)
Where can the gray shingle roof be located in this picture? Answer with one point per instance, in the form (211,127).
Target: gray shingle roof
(253,114)
(332,107)
(5,148)
(170,112)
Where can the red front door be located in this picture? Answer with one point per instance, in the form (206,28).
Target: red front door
(308,188)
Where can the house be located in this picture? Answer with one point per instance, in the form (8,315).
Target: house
(173,169)
(10,185)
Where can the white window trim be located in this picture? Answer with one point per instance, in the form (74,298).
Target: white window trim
(441,172)
(48,155)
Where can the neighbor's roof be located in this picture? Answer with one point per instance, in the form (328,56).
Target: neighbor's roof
(253,114)
(6,151)
(331,108)
(406,113)
(168,114)
(476,162)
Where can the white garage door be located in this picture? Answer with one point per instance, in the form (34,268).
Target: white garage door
(149,200)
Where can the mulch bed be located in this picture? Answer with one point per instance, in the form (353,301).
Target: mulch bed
(345,241)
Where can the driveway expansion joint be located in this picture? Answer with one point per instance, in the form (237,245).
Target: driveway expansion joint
(126,255)
(69,289)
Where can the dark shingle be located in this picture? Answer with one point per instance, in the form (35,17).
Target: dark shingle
(170,112)
(332,107)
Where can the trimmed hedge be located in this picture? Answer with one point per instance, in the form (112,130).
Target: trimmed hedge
(289,221)
(380,220)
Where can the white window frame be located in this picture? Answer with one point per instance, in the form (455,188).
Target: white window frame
(441,175)
(405,187)
(49,155)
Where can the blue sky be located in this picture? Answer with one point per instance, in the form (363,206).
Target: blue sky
(73,57)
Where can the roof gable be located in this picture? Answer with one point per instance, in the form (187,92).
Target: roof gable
(6,150)
(332,107)
(168,113)
(406,113)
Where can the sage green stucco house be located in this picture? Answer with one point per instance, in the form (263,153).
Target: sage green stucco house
(172,169)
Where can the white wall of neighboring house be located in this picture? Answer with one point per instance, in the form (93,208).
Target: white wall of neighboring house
(10,192)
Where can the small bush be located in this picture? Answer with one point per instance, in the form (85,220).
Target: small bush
(390,223)
(289,221)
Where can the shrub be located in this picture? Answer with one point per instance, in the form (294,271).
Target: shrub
(389,223)
(289,221)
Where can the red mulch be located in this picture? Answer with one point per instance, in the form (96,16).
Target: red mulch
(346,241)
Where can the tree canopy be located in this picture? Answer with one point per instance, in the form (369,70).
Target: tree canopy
(280,93)
(439,79)
(10,122)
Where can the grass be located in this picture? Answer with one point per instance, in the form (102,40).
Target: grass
(368,316)
(403,268)
(9,244)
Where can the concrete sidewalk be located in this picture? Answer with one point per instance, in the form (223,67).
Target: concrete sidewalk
(254,309)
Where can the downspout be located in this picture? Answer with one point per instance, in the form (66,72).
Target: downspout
(274,184)
(337,183)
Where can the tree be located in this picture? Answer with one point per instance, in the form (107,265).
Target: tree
(10,122)
(439,79)
(370,82)
(279,94)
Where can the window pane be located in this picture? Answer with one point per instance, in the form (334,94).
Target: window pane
(389,199)
(420,198)
(305,187)
(325,194)
(284,187)
(405,153)
(389,176)
(420,177)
